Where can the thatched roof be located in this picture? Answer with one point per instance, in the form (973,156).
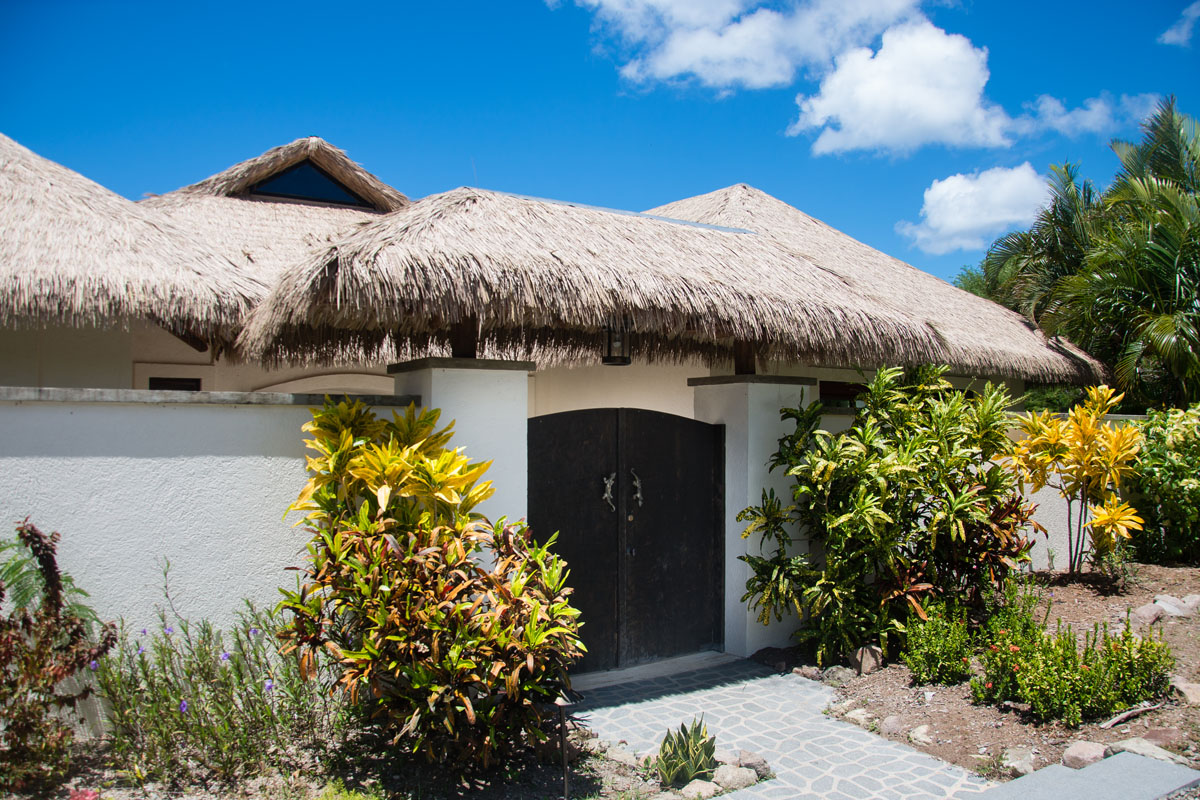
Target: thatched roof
(265,236)
(980,337)
(241,178)
(73,253)
(548,276)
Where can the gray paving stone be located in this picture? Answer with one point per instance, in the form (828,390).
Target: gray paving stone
(779,716)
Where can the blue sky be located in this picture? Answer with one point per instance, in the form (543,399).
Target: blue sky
(923,129)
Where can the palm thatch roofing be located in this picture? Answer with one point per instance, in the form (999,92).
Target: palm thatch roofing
(979,337)
(264,236)
(547,277)
(73,253)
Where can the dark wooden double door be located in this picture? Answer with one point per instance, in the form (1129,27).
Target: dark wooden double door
(637,498)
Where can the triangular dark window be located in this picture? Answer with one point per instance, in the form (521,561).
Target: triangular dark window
(307,181)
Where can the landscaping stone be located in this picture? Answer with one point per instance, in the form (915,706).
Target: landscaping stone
(1172,606)
(866,660)
(700,790)
(732,778)
(810,672)
(621,755)
(1080,754)
(891,725)
(920,735)
(838,676)
(726,757)
(1141,747)
(1147,614)
(754,761)
(860,717)
(1164,737)
(1187,692)
(1017,761)
(1192,602)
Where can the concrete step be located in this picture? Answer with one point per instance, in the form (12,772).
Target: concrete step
(1124,776)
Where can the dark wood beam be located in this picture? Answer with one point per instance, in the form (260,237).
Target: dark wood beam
(744,358)
(464,338)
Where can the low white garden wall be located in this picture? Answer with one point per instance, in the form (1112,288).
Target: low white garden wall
(134,478)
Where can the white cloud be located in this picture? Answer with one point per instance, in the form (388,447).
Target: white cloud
(1181,32)
(1098,115)
(966,212)
(726,44)
(924,86)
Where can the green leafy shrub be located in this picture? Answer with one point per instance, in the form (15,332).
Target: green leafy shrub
(41,644)
(939,648)
(687,754)
(906,504)
(188,702)
(1165,487)
(1057,397)
(1062,681)
(454,632)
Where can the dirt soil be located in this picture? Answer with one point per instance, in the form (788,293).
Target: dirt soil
(975,736)
(379,771)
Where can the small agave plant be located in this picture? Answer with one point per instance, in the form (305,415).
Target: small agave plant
(687,754)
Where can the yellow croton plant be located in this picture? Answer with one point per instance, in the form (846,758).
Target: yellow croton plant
(1085,459)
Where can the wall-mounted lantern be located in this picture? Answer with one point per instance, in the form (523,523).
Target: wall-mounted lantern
(616,350)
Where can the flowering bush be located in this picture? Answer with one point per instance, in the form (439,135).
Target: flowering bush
(187,701)
(1062,681)
(939,648)
(1166,487)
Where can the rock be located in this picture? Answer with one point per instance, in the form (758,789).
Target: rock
(1147,614)
(929,697)
(860,717)
(840,709)
(810,672)
(1191,602)
(866,660)
(754,761)
(1017,761)
(838,676)
(920,736)
(726,757)
(1080,754)
(700,790)
(1164,737)
(731,778)
(891,725)
(1189,693)
(621,756)
(1172,606)
(1142,747)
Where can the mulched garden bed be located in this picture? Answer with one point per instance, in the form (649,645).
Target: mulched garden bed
(975,736)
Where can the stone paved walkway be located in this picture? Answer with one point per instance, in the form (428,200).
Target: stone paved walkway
(745,705)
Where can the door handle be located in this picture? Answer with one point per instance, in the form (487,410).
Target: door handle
(637,488)
(608,490)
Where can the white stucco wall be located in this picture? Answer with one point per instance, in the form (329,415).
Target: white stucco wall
(657,387)
(130,486)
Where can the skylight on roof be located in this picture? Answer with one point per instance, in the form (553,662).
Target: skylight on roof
(307,181)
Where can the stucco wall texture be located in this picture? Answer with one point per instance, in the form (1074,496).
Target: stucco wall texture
(131,487)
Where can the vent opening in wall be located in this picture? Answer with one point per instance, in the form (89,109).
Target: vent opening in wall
(175,384)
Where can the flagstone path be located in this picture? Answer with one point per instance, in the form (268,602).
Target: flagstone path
(748,706)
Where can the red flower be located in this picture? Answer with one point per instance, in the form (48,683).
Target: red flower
(1016,667)
(1012,648)
(966,660)
(988,684)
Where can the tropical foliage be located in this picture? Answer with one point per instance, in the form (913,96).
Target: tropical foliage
(455,632)
(686,755)
(1165,487)
(906,504)
(1085,459)
(42,644)
(1117,272)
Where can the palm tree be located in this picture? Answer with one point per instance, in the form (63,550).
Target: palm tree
(1022,268)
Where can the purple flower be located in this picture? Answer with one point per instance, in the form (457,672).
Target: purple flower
(144,631)
(92,665)
(168,630)
(254,631)
(224,656)
(269,685)
(183,706)
(141,650)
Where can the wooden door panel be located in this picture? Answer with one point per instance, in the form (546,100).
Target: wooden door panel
(671,583)
(569,456)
